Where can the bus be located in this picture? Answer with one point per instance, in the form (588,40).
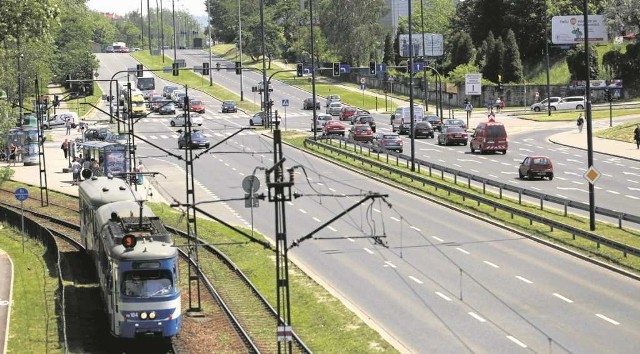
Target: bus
(146,84)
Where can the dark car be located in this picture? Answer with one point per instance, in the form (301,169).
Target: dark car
(196,106)
(387,141)
(229,106)
(536,166)
(334,127)
(359,113)
(195,140)
(452,134)
(167,90)
(455,122)
(368,120)
(361,132)
(155,102)
(422,129)
(96,134)
(435,121)
(308,103)
(167,107)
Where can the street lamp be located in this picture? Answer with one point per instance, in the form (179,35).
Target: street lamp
(162,29)
(313,72)
(240,48)
(210,44)
(173,9)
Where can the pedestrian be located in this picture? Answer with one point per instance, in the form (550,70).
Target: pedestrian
(68,126)
(65,148)
(636,136)
(140,168)
(537,97)
(75,168)
(498,104)
(580,123)
(12,154)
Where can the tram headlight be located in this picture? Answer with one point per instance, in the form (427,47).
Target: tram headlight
(152,315)
(143,316)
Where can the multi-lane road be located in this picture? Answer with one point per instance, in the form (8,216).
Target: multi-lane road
(443,281)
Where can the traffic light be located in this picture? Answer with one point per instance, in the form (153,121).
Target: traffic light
(500,87)
(299,70)
(56,101)
(238,68)
(217,66)
(176,71)
(205,69)
(372,68)
(607,95)
(139,70)
(336,69)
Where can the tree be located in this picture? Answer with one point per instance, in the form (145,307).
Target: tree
(494,65)
(27,19)
(577,64)
(512,65)
(461,50)
(389,52)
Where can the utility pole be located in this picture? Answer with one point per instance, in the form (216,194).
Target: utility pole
(313,72)
(149,26)
(20,92)
(141,26)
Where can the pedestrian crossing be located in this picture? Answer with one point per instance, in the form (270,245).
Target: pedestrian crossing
(213,135)
(220,115)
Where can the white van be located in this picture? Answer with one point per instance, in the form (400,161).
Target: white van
(403,114)
(60,119)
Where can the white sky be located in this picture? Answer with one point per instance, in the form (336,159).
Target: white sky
(121,7)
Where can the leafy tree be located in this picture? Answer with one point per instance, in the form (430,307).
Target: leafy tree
(461,50)
(512,65)
(389,52)
(577,63)
(494,65)
(27,19)
(457,75)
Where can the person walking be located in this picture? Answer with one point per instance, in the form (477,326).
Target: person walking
(65,148)
(580,123)
(636,136)
(75,168)
(68,126)
(140,169)
(12,154)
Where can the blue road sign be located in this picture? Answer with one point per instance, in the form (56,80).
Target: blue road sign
(363,87)
(22,194)
(381,68)
(307,69)
(285,102)
(345,68)
(418,66)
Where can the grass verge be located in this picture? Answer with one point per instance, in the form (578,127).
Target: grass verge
(622,132)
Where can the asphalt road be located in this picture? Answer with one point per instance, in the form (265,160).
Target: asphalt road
(445,282)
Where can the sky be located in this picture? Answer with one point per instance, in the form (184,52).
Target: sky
(121,7)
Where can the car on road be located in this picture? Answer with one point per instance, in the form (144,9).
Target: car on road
(361,132)
(196,106)
(181,120)
(422,129)
(452,134)
(332,98)
(454,122)
(489,136)
(334,127)
(256,119)
(308,103)
(571,102)
(229,106)
(359,113)
(368,120)
(155,102)
(334,108)
(536,166)
(195,140)
(167,107)
(179,98)
(435,121)
(542,105)
(168,90)
(387,141)
(347,112)
(321,120)
(174,94)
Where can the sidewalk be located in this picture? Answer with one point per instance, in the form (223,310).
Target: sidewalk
(604,146)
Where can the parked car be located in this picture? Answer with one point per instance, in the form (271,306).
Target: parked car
(196,106)
(368,120)
(167,107)
(308,103)
(536,166)
(452,134)
(334,108)
(229,106)
(321,120)
(571,102)
(454,122)
(347,112)
(422,129)
(181,120)
(334,127)
(435,121)
(332,98)
(195,140)
(387,141)
(361,132)
(168,90)
(542,105)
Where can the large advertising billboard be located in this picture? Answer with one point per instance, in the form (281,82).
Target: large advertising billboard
(570,29)
(433,45)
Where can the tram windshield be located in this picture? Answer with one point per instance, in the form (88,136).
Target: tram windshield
(147,283)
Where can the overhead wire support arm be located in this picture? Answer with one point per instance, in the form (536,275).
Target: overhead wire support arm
(297,242)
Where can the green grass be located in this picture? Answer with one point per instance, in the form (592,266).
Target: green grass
(573,115)
(78,104)
(33,327)
(622,132)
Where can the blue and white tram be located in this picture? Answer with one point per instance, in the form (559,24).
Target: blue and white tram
(137,266)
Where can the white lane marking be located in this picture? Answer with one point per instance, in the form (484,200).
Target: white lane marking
(351,240)
(468,160)
(571,173)
(376,210)
(634,168)
(524,279)
(415,279)
(316,219)
(462,250)
(477,317)
(631,173)
(474,171)
(561,178)
(515,340)
(289,203)
(303,211)
(394,218)
(577,182)
(633,189)
(443,296)
(607,319)
(633,181)
(565,299)
(607,175)
(561,196)
(493,176)
(368,251)
(331,189)
(506,163)
(491,264)
(437,238)
(632,197)
(612,192)
(415,228)
(389,264)
(527,150)
(332,228)
(572,189)
(574,160)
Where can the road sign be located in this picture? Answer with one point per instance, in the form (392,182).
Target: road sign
(418,66)
(363,80)
(468,107)
(473,84)
(592,175)
(251,184)
(307,69)
(382,68)
(22,194)
(251,200)
(363,87)
(345,68)
(285,102)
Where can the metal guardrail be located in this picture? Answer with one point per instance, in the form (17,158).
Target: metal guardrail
(626,249)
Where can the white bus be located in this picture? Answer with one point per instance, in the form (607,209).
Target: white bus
(118,46)
(146,84)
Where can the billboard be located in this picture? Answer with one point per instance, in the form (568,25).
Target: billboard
(570,29)
(433,45)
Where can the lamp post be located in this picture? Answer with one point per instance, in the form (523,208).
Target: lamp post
(149,26)
(173,10)
(20,93)
(410,71)
(313,72)
(546,50)
(240,48)
(210,42)
(162,30)
(141,26)
(265,88)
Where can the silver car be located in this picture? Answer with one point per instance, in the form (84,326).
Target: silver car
(334,108)
(542,105)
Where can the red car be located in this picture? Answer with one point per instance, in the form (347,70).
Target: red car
(536,166)
(347,112)
(334,127)
(452,134)
(361,132)
(196,106)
